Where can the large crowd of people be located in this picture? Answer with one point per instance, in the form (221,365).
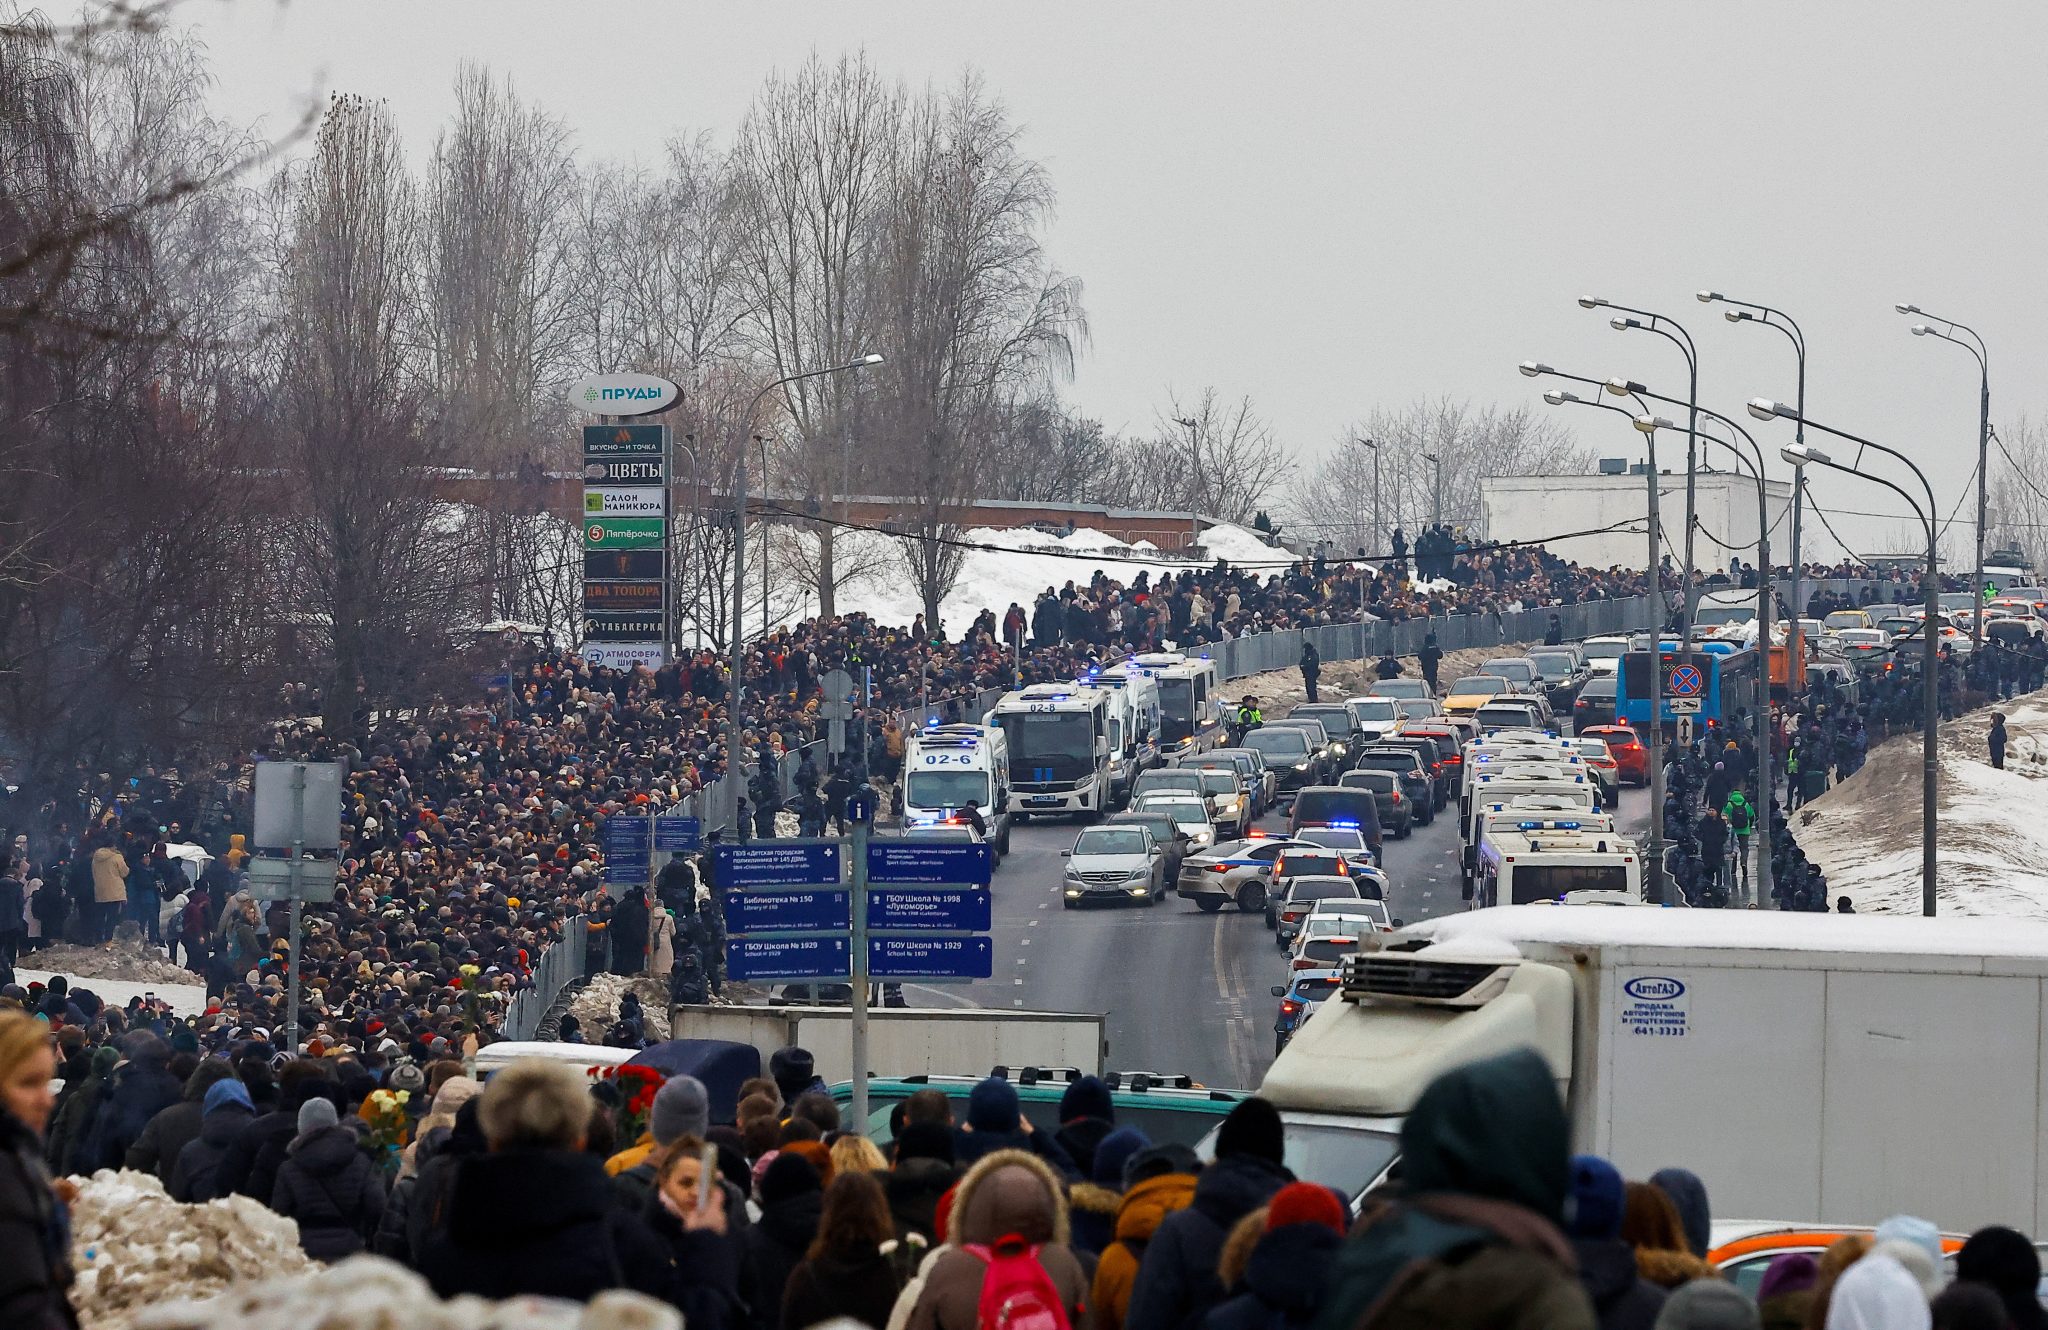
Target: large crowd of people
(764,1213)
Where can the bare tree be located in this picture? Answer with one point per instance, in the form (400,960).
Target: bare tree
(811,171)
(1212,457)
(2017,499)
(1335,502)
(973,313)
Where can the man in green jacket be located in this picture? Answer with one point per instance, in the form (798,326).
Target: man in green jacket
(1741,815)
(1475,1238)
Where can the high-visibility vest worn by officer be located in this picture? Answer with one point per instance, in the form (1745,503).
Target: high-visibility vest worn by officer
(1250,716)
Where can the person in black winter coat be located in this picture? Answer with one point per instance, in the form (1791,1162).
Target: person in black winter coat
(35,1264)
(996,1122)
(170,1131)
(1622,1298)
(250,1166)
(1087,1114)
(1283,1280)
(924,1171)
(142,1087)
(845,1273)
(1177,1283)
(329,1186)
(537,1215)
(792,1203)
(225,1114)
(703,1253)
(426,1207)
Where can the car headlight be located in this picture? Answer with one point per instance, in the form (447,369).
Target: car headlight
(1139,875)
(1301,766)
(1073,891)
(1338,749)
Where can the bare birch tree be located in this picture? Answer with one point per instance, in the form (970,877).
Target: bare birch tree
(811,171)
(1335,500)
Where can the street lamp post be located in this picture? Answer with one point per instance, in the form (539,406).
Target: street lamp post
(1746,311)
(1975,346)
(1436,488)
(737,688)
(1801,455)
(1671,331)
(1753,461)
(1558,397)
(1373,446)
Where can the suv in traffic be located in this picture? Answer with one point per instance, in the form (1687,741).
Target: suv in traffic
(1294,758)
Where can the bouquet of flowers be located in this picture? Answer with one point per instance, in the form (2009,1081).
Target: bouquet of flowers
(385,1112)
(636,1086)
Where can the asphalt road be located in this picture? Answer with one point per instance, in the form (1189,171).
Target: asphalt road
(1185,991)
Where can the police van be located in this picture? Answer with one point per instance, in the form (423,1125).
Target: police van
(1058,748)
(946,768)
(1564,787)
(1526,858)
(1190,709)
(1133,725)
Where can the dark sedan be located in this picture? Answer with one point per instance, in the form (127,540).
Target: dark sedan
(1595,703)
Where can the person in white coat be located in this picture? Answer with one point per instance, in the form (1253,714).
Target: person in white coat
(661,941)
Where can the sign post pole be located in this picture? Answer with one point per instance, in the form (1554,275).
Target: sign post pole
(291,1001)
(858,1017)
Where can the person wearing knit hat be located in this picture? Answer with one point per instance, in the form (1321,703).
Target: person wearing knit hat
(681,1108)
(1710,1304)
(1283,1277)
(1622,1298)
(1177,1282)
(1786,1293)
(996,1122)
(1093,1204)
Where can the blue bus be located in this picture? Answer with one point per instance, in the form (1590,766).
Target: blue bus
(1721,676)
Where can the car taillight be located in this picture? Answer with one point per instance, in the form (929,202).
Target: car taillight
(1305,963)
(1290,916)
(1397,797)
(1217,868)
(1290,1007)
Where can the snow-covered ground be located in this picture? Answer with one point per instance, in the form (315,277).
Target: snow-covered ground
(1991,839)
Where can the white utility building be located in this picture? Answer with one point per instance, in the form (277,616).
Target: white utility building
(1612,508)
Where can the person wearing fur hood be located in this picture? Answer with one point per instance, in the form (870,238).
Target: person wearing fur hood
(1007,1192)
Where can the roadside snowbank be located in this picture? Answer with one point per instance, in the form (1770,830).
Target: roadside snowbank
(370,1293)
(133,1247)
(1991,841)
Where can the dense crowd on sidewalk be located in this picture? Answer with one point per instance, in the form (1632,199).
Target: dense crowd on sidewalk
(766,1214)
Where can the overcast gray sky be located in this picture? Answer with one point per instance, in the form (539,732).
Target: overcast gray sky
(1337,206)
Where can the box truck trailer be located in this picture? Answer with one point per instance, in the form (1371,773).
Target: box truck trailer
(1813,1068)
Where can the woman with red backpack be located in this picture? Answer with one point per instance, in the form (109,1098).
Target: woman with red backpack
(1006,1264)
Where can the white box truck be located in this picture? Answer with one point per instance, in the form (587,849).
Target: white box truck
(1810,1068)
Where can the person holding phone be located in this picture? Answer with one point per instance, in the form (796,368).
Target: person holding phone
(686,1210)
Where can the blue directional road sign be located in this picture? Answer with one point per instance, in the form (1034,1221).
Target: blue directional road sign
(777,864)
(623,835)
(623,872)
(894,956)
(954,909)
(821,957)
(788,911)
(930,863)
(675,835)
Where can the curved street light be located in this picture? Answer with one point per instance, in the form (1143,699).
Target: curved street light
(1802,455)
(1975,346)
(1562,397)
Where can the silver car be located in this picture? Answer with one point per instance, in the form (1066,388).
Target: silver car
(1114,863)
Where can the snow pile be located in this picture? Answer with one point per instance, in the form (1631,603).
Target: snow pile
(133,1246)
(1020,563)
(119,959)
(370,1293)
(1991,843)
(1279,690)
(596,1005)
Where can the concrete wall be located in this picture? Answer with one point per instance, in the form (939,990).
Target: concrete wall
(1615,509)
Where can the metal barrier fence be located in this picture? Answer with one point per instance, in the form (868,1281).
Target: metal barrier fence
(558,965)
